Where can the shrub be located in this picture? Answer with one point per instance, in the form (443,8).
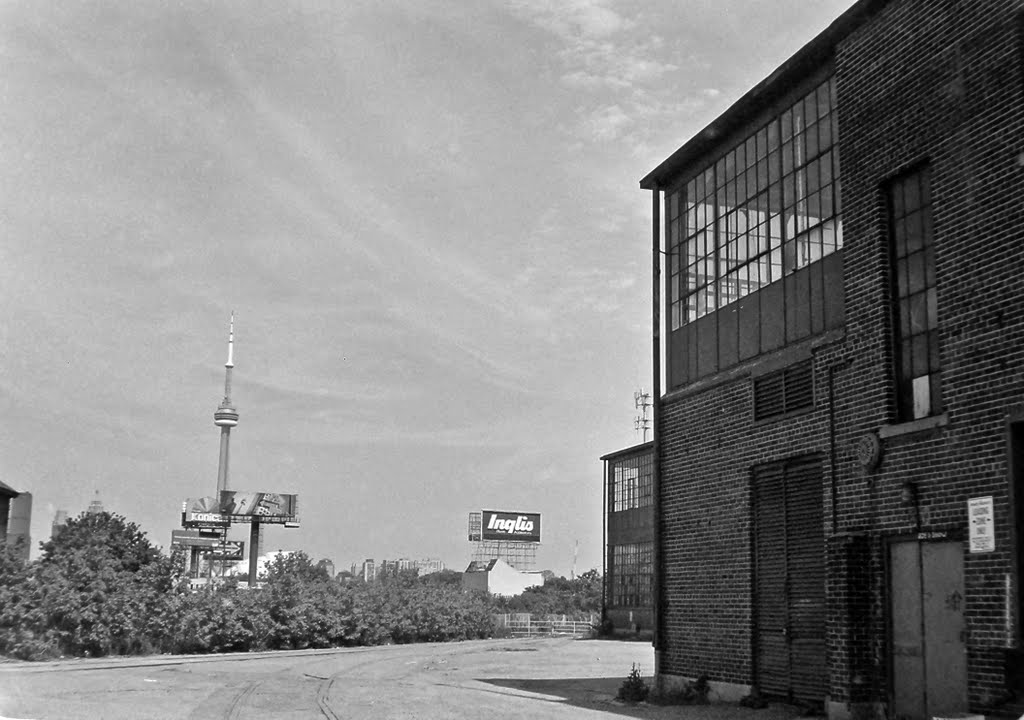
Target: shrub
(633,689)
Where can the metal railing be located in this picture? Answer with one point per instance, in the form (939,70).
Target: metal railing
(527,625)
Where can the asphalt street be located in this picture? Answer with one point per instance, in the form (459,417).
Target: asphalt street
(556,678)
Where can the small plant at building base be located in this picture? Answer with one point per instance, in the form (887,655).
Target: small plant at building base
(633,689)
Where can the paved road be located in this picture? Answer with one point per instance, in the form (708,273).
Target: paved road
(539,679)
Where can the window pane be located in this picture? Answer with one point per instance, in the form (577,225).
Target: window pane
(914,241)
(918,313)
(932,303)
(899,237)
(920,351)
(896,197)
(812,141)
(826,202)
(933,359)
(904,313)
(823,99)
(810,108)
(789,256)
(828,237)
(922,396)
(906,362)
(901,278)
(776,264)
(813,177)
(912,193)
(915,273)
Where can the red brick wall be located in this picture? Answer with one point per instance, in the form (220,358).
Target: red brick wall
(919,81)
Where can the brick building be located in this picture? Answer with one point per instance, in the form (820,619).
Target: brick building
(629,539)
(839,445)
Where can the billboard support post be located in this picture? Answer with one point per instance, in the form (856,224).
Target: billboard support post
(254,550)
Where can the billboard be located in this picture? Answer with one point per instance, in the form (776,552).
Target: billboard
(192,538)
(217,547)
(229,550)
(203,512)
(523,527)
(244,506)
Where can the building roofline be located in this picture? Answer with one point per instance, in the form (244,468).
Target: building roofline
(802,63)
(649,445)
(7,491)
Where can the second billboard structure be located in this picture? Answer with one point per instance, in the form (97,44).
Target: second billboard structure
(262,506)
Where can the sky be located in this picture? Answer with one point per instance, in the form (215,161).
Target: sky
(426,217)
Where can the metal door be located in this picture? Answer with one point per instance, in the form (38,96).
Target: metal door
(929,654)
(789,580)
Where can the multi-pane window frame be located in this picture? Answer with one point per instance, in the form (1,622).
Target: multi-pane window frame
(720,251)
(633,571)
(916,355)
(632,482)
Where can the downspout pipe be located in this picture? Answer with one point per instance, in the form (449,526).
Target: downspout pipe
(604,548)
(657,579)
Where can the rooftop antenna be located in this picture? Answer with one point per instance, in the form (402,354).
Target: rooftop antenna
(642,401)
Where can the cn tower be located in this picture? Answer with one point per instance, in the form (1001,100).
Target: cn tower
(226,417)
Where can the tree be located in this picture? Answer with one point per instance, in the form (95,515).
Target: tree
(100,535)
(100,587)
(295,567)
(449,578)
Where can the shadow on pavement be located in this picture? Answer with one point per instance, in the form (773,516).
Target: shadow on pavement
(599,694)
(590,693)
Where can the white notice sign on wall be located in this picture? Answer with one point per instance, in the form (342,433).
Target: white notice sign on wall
(982,524)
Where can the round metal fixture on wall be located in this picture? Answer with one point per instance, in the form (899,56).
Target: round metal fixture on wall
(868,450)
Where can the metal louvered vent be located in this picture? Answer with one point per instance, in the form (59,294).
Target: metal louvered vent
(784,391)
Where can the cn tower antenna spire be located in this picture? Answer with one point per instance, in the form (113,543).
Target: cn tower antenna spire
(231,360)
(226,416)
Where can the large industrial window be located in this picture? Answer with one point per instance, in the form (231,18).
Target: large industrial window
(768,207)
(918,391)
(632,483)
(632,572)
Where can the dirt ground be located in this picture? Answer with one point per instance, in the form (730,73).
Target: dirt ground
(538,679)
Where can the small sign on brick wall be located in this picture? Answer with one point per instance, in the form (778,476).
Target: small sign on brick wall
(982,524)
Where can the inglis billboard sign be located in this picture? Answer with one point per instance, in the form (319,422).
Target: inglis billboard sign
(524,527)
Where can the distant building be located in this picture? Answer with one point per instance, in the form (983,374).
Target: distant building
(369,569)
(429,565)
(497,577)
(60,519)
(327,565)
(96,506)
(629,538)
(19,524)
(7,493)
(15,518)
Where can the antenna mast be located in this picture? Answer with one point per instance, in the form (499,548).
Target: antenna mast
(642,401)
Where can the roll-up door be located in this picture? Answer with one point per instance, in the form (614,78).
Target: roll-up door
(789,580)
